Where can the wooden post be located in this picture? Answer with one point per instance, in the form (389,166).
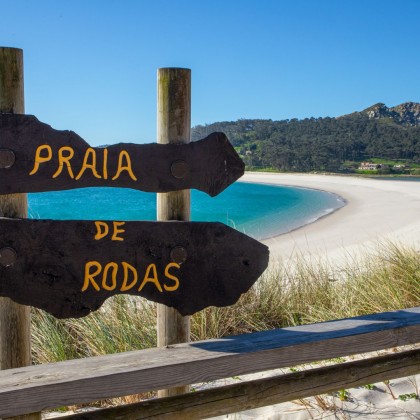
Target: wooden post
(15,335)
(174,124)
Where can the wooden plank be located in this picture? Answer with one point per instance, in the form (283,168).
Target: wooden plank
(77,381)
(35,157)
(263,392)
(15,320)
(69,268)
(173,127)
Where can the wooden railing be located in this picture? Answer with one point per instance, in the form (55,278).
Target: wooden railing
(35,388)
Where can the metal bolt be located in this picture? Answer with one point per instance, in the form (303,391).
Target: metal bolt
(179,169)
(179,254)
(7,158)
(8,256)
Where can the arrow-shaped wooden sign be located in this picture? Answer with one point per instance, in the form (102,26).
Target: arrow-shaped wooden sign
(34,158)
(69,268)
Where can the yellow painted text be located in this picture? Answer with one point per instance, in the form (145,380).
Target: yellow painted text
(102,230)
(125,277)
(89,166)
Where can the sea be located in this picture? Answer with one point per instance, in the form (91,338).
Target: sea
(258,210)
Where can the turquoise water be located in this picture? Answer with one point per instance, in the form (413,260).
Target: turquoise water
(258,210)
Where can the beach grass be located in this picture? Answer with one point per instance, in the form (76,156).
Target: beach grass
(386,280)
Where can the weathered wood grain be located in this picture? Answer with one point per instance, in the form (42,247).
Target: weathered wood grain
(173,127)
(60,267)
(77,381)
(263,392)
(209,165)
(15,331)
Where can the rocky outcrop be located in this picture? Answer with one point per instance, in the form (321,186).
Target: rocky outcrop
(407,113)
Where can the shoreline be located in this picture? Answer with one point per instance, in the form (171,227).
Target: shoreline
(335,209)
(375,212)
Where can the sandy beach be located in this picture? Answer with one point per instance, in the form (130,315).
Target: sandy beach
(377,211)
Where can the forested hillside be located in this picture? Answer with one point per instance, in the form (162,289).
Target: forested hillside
(377,134)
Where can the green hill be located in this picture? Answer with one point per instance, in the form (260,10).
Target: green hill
(389,137)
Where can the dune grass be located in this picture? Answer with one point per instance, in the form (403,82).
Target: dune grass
(122,324)
(284,296)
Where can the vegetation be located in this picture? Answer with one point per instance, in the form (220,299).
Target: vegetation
(323,144)
(283,297)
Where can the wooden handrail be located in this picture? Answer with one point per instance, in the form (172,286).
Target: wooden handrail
(34,388)
(258,393)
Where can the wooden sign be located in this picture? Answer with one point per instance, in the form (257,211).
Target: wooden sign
(69,268)
(34,158)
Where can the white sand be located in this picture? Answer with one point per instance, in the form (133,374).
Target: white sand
(377,211)
(380,401)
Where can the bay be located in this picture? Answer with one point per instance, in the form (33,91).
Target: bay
(258,210)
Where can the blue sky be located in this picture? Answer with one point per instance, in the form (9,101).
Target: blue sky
(90,65)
